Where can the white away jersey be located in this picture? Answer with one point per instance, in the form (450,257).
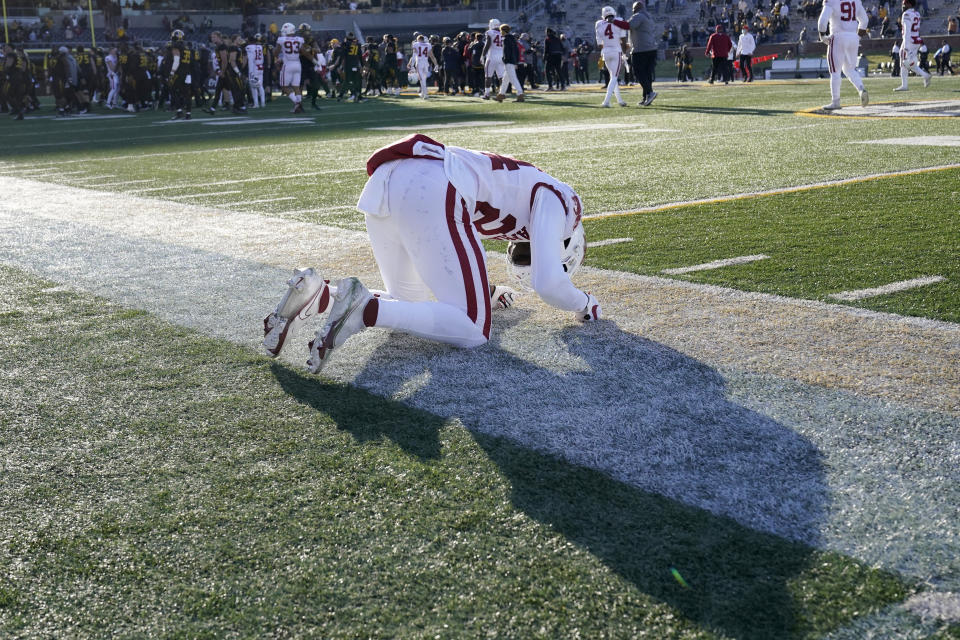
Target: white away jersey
(608,36)
(911,29)
(498,191)
(421,52)
(495,39)
(843,16)
(254,59)
(290,48)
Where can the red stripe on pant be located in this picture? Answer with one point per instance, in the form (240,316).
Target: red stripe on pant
(470,289)
(481,267)
(830,63)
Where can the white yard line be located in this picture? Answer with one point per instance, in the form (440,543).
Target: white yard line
(609,241)
(916,141)
(93,177)
(893,287)
(345,207)
(716,264)
(770,192)
(261,201)
(125,182)
(202,195)
(448,125)
(246,180)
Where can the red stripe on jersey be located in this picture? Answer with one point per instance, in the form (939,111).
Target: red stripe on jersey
(556,192)
(481,267)
(469,289)
(398,151)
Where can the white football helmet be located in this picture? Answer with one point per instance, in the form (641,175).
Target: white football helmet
(518,258)
(413,77)
(494,23)
(607,11)
(287,29)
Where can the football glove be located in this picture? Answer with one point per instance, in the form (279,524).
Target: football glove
(824,37)
(502,297)
(591,312)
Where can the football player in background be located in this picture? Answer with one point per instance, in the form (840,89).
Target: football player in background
(113,77)
(182,74)
(391,65)
(492,56)
(422,61)
(612,40)
(427,246)
(14,80)
(288,53)
(254,53)
(847,21)
(910,47)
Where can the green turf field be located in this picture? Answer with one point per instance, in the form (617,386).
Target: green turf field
(794,461)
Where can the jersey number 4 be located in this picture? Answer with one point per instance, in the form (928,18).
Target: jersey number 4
(608,31)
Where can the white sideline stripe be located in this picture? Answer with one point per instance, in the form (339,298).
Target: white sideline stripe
(716,264)
(246,202)
(771,192)
(449,125)
(245,180)
(916,141)
(893,287)
(603,243)
(202,195)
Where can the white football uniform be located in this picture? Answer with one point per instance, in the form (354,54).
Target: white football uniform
(910,47)
(608,39)
(113,77)
(254,54)
(844,18)
(290,58)
(427,208)
(420,61)
(494,61)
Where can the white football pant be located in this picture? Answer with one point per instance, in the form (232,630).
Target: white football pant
(256,89)
(910,61)
(423,71)
(427,248)
(114,79)
(613,60)
(510,77)
(842,56)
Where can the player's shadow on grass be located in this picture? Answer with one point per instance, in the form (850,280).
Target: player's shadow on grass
(724,111)
(626,447)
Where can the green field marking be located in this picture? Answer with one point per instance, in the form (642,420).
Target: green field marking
(181,485)
(842,238)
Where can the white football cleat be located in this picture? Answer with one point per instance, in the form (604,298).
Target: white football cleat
(345,320)
(902,88)
(307,294)
(864,98)
(831,106)
(926,80)
(605,105)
